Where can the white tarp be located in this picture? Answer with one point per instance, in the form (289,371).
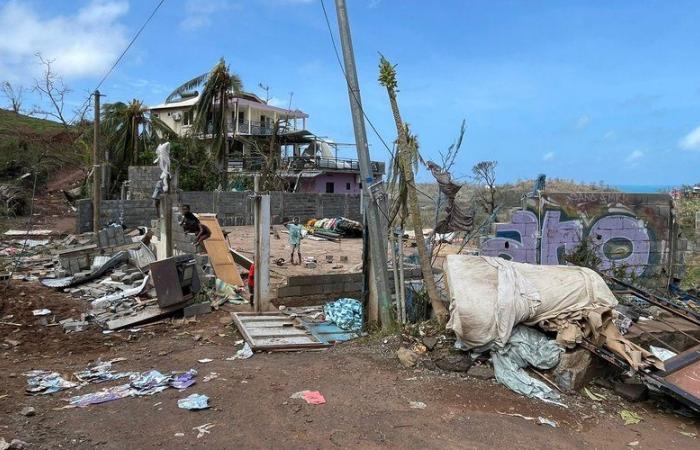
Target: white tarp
(489,296)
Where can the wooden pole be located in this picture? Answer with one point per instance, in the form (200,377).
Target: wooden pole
(96,168)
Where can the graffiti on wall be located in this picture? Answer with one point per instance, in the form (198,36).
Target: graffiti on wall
(619,238)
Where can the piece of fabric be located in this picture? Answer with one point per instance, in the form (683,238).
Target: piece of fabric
(294,234)
(526,347)
(456,219)
(163,160)
(251,276)
(344,312)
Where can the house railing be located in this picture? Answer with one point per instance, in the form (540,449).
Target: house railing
(298,163)
(258,128)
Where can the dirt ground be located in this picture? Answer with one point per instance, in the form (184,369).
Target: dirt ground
(366,391)
(242,239)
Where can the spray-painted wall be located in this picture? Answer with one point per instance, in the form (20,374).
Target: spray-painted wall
(631,232)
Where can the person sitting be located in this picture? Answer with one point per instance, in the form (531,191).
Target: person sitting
(191,224)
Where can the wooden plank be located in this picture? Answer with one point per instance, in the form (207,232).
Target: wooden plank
(219,254)
(256,333)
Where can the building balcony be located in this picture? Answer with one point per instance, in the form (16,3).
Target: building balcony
(257,128)
(295,164)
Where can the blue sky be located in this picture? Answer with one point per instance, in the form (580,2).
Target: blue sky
(589,90)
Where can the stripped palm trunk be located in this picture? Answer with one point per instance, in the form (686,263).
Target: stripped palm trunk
(406,149)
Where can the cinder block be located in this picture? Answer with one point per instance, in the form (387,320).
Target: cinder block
(289,291)
(197,309)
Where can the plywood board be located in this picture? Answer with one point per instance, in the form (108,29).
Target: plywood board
(219,255)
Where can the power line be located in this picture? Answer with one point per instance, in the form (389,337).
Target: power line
(342,69)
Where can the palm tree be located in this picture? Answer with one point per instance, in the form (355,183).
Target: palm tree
(210,112)
(405,162)
(127,130)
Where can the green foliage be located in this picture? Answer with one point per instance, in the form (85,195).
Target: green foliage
(210,116)
(196,168)
(387,74)
(584,255)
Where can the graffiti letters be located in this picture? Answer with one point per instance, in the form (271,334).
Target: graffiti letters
(619,240)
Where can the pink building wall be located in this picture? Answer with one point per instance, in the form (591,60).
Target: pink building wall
(340,181)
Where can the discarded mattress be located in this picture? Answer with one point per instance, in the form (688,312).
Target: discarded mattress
(489,296)
(111,263)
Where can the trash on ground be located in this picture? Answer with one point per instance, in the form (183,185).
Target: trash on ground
(41,312)
(211,376)
(593,396)
(205,360)
(311,397)
(203,429)
(417,405)
(244,353)
(630,417)
(194,402)
(46,382)
(540,420)
(526,347)
(345,312)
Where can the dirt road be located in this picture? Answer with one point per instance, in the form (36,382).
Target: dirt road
(368,396)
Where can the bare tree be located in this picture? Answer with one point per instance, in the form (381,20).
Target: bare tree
(484,174)
(51,88)
(14,96)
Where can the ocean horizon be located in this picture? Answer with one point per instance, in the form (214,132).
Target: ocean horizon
(643,188)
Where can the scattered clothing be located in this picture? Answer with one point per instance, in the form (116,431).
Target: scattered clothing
(194,402)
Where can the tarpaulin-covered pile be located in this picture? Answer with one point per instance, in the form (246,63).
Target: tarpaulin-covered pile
(490,296)
(340,225)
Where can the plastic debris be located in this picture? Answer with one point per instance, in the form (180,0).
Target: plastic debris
(345,312)
(593,396)
(146,383)
(310,397)
(540,420)
(46,382)
(211,376)
(41,312)
(203,429)
(205,360)
(101,371)
(244,353)
(527,346)
(194,402)
(630,417)
(661,353)
(417,405)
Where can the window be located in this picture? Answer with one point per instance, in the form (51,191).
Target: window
(241,117)
(347,186)
(187,118)
(330,187)
(156,115)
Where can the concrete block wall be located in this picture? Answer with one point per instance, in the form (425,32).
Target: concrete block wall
(142,181)
(133,212)
(232,208)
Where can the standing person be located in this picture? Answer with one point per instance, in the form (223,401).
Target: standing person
(295,237)
(251,284)
(191,224)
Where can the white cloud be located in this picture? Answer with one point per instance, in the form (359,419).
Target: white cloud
(634,157)
(609,135)
(199,14)
(548,156)
(691,141)
(82,44)
(582,122)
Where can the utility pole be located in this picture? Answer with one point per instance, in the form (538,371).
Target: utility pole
(96,168)
(377,236)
